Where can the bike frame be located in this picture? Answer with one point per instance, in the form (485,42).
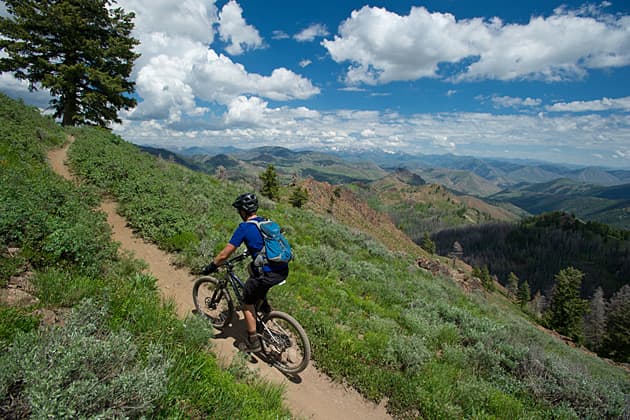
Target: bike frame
(235,281)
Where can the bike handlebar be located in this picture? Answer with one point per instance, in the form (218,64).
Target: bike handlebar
(229,263)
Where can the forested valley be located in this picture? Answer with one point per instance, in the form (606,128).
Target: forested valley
(532,253)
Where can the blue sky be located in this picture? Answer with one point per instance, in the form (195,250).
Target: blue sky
(539,79)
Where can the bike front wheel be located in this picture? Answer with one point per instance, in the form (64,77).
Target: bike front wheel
(213,301)
(285,343)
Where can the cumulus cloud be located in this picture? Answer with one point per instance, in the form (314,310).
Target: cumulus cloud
(382,46)
(190,19)
(605,104)
(246,110)
(309,34)
(234,29)
(177,69)
(305,63)
(512,102)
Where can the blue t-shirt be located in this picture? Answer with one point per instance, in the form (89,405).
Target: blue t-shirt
(249,233)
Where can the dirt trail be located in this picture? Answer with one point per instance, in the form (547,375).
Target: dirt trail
(312,395)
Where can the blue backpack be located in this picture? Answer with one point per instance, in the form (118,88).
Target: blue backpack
(276,248)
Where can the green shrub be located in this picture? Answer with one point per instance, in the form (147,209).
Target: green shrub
(82,370)
(181,241)
(407,353)
(13,321)
(65,288)
(10,266)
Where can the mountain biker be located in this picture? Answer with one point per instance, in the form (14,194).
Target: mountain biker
(261,278)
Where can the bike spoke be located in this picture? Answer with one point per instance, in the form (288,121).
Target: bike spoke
(285,343)
(213,302)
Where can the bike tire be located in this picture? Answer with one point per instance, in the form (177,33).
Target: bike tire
(285,343)
(213,301)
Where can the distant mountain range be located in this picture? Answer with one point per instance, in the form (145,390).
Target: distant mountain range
(518,187)
(499,172)
(240,163)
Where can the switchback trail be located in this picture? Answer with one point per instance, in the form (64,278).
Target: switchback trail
(312,396)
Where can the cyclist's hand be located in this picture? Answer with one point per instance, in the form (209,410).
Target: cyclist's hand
(210,268)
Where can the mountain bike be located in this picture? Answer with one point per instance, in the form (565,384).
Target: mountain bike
(285,344)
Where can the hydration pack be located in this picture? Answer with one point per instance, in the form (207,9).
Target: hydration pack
(276,248)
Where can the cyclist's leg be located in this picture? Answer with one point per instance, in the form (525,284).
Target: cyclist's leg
(271,279)
(253,291)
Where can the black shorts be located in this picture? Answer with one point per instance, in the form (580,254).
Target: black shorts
(256,287)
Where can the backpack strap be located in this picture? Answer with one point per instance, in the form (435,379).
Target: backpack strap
(260,258)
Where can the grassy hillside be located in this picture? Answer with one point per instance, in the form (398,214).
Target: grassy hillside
(118,352)
(464,182)
(376,322)
(416,209)
(345,207)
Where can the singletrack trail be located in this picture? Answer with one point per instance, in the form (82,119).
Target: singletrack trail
(312,395)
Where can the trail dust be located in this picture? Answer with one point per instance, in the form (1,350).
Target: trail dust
(312,395)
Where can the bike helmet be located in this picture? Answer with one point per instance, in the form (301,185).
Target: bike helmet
(247,202)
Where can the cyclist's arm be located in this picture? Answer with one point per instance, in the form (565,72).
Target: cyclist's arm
(224,254)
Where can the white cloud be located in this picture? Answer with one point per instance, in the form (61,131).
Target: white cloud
(309,34)
(246,110)
(383,46)
(190,19)
(19,89)
(278,34)
(605,104)
(234,29)
(305,63)
(351,89)
(512,102)
(177,69)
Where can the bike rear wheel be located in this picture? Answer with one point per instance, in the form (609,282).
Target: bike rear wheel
(285,343)
(213,301)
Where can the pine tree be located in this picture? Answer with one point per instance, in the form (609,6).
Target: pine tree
(524,294)
(512,285)
(595,321)
(486,278)
(427,244)
(566,307)
(299,197)
(81,50)
(270,183)
(617,340)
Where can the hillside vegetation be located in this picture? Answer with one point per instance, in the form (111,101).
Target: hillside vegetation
(418,208)
(118,352)
(375,320)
